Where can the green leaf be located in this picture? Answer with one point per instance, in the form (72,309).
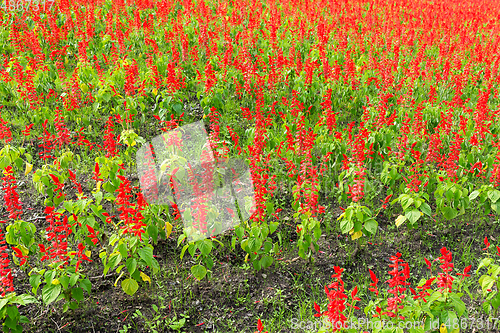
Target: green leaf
(131,265)
(273,226)
(494,195)
(114,260)
(12,312)
(64,280)
(406,202)
(50,292)
(35,282)
(77,294)
(371,226)
(357,226)
(449,213)
(123,250)
(434,296)
(130,286)
(495,301)
(449,318)
(426,209)
(473,195)
(205,246)
(73,305)
(198,271)
(73,279)
(108,187)
(153,232)
(98,197)
(458,304)
(254,244)
(208,262)
(86,285)
(4,162)
(239,231)
(266,261)
(269,208)
(146,254)
(346,225)
(3,302)
(413,215)
(177,108)
(486,283)
(360,216)
(68,205)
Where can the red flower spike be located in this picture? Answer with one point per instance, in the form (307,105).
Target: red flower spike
(90,229)
(486,243)
(318,309)
(428,263)
(465,273)
(260,327)
(353,294)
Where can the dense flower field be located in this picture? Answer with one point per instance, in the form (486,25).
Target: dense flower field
(382,108)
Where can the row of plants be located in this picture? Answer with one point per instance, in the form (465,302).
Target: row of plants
(435,304)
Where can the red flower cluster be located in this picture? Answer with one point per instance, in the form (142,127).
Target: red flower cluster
(10,196)
(57,233)
(130,214)
(6,279)
(110,144)
(5,133)
(445,280)
(337,301)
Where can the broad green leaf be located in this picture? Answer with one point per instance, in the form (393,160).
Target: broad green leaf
(254,244)
(12,312)
(413,215)
(86,285)
(77,294)
(266,261)
(458,304)
(346,225)
(113,261)
(486,283)
(371,226)
(146,254)
(184,250)
(198,271)
(449,213)
(131,265)
(130,286)
(3,302)
(205,246)
(50,292)
(473,195)
(495,301)
(406,202)
(494,195)
(426,209)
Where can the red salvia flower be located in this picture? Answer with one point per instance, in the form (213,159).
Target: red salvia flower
(6,278)
(11,197)
(486,243)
